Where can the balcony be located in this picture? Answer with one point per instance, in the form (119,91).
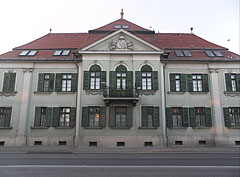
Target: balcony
(120,96)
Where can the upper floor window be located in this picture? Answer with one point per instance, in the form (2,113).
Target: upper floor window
(197,82)
(94,79)
(5,116)
(146,79)
(9,82)
(45,82)
(66,82)
(232,82)
(121,77)
(177,82)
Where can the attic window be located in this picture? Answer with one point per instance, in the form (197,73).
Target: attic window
(24,53)
(117,26)
(61,52)
(213,53)
(182,53)
(125,26)
(28,53)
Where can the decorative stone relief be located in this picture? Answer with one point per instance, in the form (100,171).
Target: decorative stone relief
(121,44)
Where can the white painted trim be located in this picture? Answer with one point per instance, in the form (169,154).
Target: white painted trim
(117,32)
(119,52)
(147,64)
(95,64)
(118,64)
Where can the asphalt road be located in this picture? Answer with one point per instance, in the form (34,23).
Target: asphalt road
(140,164)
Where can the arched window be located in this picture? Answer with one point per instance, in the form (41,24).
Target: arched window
(95,77)
(121,77)
(146,77)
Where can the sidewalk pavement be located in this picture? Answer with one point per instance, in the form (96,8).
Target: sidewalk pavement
(76,150)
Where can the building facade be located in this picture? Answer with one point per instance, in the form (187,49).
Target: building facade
(119,85)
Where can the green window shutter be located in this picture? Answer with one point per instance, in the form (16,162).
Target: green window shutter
(205,83)
(172,82)
(192,117)
(102,117)
(86,80)
(74,82)
(51,82)
(228,82)
(155,80)
(112,116)
(185,117)
(103,80)
(12,82)
(183,83)
(156,116)
(113,83)
(226,117)
(144,116)
(7,119)
(72,117)
(129,83)
(129,116)
(55,121)
(49,117)
(138,80)
(238,82)
(6,82)
(208,117)
(40,82)
(85,117)
(58,84)
(37,116)
(169,117)
(189,83)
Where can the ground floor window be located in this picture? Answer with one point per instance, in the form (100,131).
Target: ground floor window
(5,116)
(94,115)
(177,117)
(64,117)
(121,116)
(232,116)
(200,116)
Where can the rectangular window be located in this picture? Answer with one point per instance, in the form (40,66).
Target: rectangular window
(5,116)
(200,116)
(64,117)
(46,82)
(177,117)
(121,81)
(9,82)
(43,116)
(234,116)
(147,116)
(66,82)
(233,82)
(177,82)
(121,116)
(146,80)
(197,82)
(94,116)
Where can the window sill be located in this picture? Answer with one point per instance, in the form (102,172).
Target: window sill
(121,128)
(177,93)
(147,92)
(93,127)
(65,92)
(177,127)
(147,128)
(237,127)
(231,94)
(43,127)
(36,92)
(7,94)
(63,127)
(94,92)
(198,93)
(201,127)
(5,127)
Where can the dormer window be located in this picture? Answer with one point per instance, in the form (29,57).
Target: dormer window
(61,53)
(28,53)
(125,26)
(213,53)
(117,26)
(182,53)
(121,26)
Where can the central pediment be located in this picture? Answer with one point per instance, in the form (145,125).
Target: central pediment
(120,41)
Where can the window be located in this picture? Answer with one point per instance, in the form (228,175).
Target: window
(94,116)
(61,53)
(117,26)
(64,117)
(121,26)
(177,116)
(177,82)
(121,116)
(150,116)
(9,82)
(5,116)
(232,116)
(232,82)
(213,53)
(146,79)
(182,53)
(125,26)
(66,82)
(28,53)
(45,82)
(43,116)
(200,117)
(94,79)
(121,81)
(197,83)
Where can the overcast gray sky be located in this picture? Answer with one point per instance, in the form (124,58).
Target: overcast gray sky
(23,21)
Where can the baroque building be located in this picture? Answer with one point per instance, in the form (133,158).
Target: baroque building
(120,85)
